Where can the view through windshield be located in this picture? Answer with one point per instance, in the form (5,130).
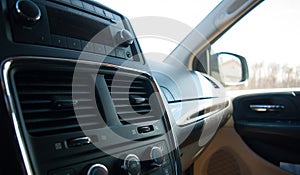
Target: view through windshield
(184,14)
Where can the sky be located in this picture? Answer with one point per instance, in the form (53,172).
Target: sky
(269,33)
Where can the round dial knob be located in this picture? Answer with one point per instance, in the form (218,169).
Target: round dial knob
(156,156)
(131,165)
(27,12)
(97,169)
(124,38)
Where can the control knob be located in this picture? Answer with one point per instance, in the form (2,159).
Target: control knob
(156,156)
(27,12)
(124,38)
(131,165)
(97,169)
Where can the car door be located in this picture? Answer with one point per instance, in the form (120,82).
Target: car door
(269,123)
(262,137)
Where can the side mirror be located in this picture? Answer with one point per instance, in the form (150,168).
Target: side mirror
(229,68)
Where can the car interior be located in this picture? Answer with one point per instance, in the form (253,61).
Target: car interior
(79,97)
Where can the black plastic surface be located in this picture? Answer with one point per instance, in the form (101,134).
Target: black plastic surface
(49,154)
(274,135)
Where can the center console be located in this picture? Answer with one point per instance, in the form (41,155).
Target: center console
(79,96)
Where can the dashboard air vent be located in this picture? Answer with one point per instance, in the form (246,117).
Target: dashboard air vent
(131,97)
(48,107)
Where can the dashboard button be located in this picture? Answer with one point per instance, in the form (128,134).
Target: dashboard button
(110,51)
(77,3)
(41,38)
(120,53)
(99,11)
(99,48)
(59,41)
(117,17)
(88,7)
(87,46)
(74,43)
(66,1)
(108,14)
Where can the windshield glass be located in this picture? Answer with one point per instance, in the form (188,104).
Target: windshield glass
(183,13)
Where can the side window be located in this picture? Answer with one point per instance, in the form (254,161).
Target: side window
(268,38)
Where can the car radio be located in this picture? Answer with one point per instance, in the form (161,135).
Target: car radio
(72,24)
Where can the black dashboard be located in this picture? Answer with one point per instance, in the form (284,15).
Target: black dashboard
(78,96)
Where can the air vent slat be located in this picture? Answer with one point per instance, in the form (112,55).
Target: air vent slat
(135,119)
(130,96)
(130,106)
(57,119)
(130,111)
(123,98)
(50,85)
(28,102)
(121,79)
(54,130)
(126,93)
(126,87)
(55,92)
(59,129)
(47,104)
(40,100)
(41,120)
(57,110)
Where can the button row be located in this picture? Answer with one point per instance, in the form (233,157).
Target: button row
(81,45)
(92,9)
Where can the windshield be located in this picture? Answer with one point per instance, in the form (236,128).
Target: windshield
(180,13)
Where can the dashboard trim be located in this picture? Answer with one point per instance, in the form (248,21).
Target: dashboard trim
(12,111)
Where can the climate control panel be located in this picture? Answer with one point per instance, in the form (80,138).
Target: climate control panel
(153,159)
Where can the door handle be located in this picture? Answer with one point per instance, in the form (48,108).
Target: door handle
(267,108)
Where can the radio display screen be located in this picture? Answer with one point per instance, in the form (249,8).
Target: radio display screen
(76,26)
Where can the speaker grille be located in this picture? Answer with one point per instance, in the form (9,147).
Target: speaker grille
(223,162)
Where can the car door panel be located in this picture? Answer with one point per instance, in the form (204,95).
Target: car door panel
(227,154)
(270,124)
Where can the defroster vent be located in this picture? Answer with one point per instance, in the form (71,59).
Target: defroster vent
(47,105)
(134,98)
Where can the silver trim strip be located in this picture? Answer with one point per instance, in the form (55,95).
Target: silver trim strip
(11,108)
(266,108)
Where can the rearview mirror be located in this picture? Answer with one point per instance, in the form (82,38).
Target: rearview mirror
(229,68)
